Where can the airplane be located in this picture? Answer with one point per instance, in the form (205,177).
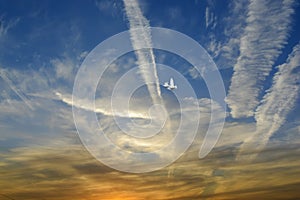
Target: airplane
(170,86)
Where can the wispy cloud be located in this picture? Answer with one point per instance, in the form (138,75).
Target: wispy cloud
(141,38)
(210,18)
(234,23)
(64,68)
(6,25)
(225,32)
(277,103)
(21,95)
(266,32)
(213,45)
(110,8)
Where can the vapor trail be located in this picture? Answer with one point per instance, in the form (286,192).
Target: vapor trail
(266,32)
(83,104)
(4,76)
(276,104)
(140,36)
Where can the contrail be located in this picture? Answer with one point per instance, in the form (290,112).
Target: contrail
(140,38)
(4,76)
(83,104)
(264,37)
(276,104)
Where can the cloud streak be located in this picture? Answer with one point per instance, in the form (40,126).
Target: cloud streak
(210,19)
(104,110)
(266,32)
(277,103)
(141,38)
(3,75)
(234,24)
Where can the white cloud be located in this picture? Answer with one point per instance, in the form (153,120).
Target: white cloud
(82,55)
(193,72)
(224,33)
(213,46)
(279,100)
(266,32)
(64,68)
(210,18)
(14,88)
(234,23)
(23,110)
(141,38)
(191,107)
(102,106)
(48,121)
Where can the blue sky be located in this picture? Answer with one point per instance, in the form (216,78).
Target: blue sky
(254,44)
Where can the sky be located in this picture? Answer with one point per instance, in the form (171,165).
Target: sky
(50,148)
